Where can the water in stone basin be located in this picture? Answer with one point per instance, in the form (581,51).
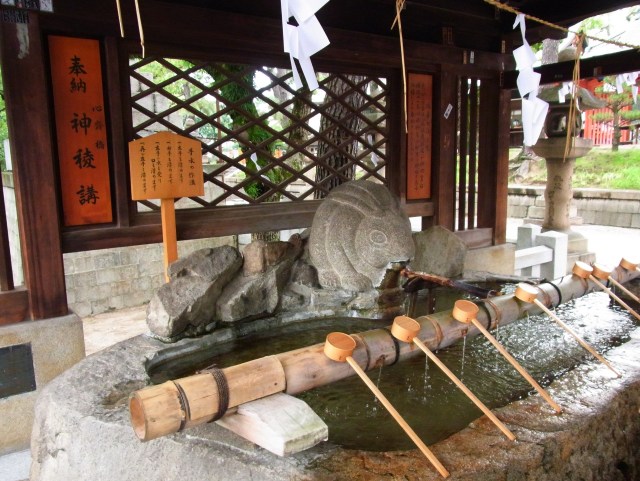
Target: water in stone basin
(431,404)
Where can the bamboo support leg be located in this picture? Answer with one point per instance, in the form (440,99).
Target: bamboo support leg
(614,297)
(517,365)
(399,419)
(465,389)
(581,341)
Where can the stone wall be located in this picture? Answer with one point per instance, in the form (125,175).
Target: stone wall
(106,279)
(618,208)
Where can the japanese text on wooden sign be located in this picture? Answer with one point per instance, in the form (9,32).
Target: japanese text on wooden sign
(419,130)
(76,77)
(164,166)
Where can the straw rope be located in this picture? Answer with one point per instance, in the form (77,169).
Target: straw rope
(398,20)
(571,118)
(120,18)
(508,8)
(140,26)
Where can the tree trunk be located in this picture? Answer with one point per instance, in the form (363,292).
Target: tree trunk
(298,135)
(339,124)
(615,142)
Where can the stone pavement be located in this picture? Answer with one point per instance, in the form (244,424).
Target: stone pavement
(106,329)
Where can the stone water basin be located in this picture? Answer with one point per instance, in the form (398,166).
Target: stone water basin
(82,429)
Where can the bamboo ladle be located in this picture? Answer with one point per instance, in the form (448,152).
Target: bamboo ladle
(466,311)
(595,273)
(339,347)
(528,293)
(406,329)
(629,266)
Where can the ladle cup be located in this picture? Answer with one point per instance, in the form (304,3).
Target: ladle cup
(466,311)
(406,329)
(595,273)
(339,347)
(628,265)
(528,293)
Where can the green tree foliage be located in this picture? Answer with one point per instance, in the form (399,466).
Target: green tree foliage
(616,102)
(4,131)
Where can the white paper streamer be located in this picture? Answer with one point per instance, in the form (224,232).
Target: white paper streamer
(306,39)
(565,90)
(534,110)
(629,79)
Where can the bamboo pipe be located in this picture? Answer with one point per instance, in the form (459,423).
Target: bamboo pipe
(528,293)
(593,273)
(307,368)
(466,311)
(175,405)
(339,347)
(406,329)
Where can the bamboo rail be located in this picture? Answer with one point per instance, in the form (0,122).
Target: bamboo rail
(306,368)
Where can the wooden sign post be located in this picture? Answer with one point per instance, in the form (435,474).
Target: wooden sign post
(165,166)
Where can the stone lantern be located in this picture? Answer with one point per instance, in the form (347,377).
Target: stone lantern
(559,192)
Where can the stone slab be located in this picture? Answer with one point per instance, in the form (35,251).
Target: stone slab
(496,259)
(279,423)
(56,344)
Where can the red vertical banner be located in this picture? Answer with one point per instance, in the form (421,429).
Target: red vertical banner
(419,132)
(76,77)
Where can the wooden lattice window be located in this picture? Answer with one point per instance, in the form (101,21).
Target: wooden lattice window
(468,125)
(263,140)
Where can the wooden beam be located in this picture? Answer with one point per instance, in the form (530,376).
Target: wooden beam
(25,78)
(493,159)
(194,224)
(603,65)
(15,306)
(444,149)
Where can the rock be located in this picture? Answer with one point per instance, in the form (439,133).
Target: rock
(257,295)
(188,300)
(356,232)
(440,252)
(208,264)
(259,255)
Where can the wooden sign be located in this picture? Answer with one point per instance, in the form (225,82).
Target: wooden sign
(76,78)
(165,166)
(419,131)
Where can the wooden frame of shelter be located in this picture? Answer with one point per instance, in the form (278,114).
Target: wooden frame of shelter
(464,48)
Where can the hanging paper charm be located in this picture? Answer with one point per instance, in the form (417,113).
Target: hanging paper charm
(303,40)
(534,110)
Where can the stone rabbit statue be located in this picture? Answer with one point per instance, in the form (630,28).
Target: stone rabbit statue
(357,231)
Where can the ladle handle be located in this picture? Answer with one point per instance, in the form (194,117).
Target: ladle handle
(465,389)
(399,419)
(517,365)
(613,296)
(624,289)
(581,341)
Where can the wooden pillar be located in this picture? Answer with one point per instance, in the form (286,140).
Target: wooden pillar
(493,159)
(25,90)
(444,149)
